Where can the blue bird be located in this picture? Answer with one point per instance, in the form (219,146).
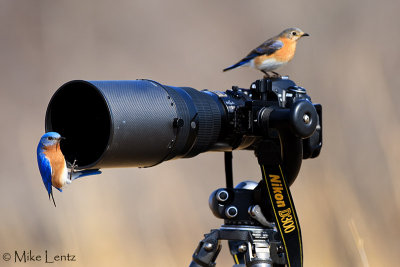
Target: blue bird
(52,165)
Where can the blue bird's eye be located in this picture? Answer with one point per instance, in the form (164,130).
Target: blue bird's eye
(294,33)
(50,138)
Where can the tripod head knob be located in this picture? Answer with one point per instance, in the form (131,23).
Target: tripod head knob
(301,118)
(222,195)
(231,212)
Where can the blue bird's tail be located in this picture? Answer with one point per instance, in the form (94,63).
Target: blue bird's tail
(80,174)
(51,194)
(239,64)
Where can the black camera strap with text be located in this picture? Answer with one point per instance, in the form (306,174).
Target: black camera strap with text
(284,213)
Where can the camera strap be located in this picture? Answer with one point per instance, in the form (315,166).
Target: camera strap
(284,213)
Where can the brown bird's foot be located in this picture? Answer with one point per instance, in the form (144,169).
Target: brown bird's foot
(269,76)
(276,75)
(266,76)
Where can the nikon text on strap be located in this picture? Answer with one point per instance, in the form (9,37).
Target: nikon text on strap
(284,213)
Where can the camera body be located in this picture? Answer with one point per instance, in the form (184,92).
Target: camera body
(248,116)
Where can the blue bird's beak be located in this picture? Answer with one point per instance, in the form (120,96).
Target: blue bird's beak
(60,139)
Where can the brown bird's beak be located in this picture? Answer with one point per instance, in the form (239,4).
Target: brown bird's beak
(305,34)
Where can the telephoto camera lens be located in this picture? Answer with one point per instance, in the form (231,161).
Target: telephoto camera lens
(137,123)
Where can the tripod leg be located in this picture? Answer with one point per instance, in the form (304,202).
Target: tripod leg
(238,256)
(207,251)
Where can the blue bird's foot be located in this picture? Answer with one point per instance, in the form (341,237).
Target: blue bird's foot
(72,170)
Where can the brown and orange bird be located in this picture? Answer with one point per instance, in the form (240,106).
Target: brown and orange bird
(273,53)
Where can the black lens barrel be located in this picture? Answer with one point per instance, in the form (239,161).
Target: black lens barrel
(131,123)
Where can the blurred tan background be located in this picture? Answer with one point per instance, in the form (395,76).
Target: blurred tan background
(348,199)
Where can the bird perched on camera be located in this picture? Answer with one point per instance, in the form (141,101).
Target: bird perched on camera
(52,165)
(273,53)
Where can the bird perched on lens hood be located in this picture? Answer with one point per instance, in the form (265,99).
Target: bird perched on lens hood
(52,165)
(273,53)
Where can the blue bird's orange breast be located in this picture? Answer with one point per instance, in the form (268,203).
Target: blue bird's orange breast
(58,166)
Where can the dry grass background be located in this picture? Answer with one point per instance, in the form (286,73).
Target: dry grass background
(347,199)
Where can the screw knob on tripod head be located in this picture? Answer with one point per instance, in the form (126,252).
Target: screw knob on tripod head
(303,118)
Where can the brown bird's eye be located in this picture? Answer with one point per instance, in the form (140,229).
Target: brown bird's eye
(294,33)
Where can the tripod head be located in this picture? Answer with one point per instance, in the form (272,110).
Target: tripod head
(286,126)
